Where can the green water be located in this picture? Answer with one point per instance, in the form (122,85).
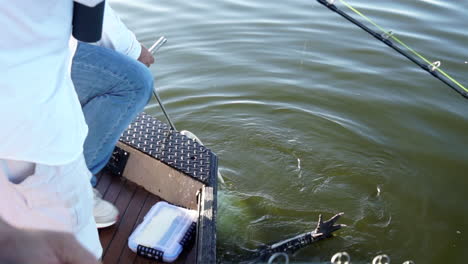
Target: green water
(310,115)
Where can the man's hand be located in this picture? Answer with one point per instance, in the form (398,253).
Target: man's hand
(18,246)
(325,229)
(146,57)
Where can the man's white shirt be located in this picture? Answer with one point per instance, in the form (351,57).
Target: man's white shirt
(41,120)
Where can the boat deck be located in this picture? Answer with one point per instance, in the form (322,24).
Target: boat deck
(133,203)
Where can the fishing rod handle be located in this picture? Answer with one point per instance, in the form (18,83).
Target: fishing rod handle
(158,44)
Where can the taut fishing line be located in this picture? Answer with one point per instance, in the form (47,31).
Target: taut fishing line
(387,36)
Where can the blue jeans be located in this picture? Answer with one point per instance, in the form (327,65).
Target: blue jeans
(113,89)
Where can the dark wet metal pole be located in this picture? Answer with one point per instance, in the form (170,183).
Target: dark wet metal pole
(155,47)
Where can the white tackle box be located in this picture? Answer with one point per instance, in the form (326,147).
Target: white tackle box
(164,232)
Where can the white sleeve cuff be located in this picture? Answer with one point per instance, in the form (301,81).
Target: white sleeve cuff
(117,36)
(134,50)
(90,3)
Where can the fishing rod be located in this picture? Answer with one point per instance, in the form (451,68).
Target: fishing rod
(387,36)
(155,47)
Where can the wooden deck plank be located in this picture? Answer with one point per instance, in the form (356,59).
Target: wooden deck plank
(110,194)
(150,201)
(114,189)
(119,242)
(187,256)
(98,176)
(191,256)
(122,201)
(141,260)
(134,202)
(127,256)
(104,182)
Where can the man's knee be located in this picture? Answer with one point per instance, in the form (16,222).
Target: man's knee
(144,83)
(149,85)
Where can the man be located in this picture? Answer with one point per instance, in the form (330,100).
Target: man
(113,84)
(44,181)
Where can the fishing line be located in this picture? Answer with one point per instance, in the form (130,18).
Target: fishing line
(386,36)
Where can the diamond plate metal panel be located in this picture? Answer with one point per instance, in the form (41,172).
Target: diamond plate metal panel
(156,139)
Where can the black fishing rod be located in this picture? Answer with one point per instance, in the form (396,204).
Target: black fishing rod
(323,230)
(432,68)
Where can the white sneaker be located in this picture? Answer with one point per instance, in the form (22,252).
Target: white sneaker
(105,213)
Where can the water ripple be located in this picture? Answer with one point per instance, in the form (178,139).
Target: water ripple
(267,83)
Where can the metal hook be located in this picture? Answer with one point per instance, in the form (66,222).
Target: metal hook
(282,254)
(341,258)
(381,259)
(435,65)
